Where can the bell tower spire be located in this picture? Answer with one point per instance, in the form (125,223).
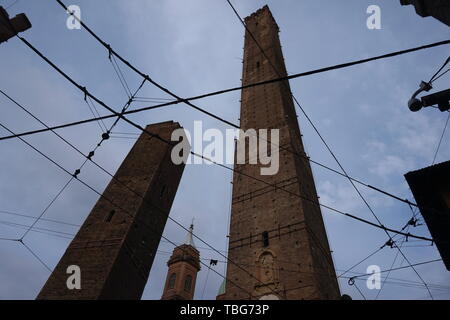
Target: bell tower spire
(189,237)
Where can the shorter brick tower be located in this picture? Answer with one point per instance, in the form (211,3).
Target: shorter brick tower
(183,267)
(115,247)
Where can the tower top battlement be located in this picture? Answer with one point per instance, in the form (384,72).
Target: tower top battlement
(260,13)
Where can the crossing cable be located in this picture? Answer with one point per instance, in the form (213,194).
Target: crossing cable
(7,239)
(440,140)
(92,107)
(74,176)
(105,136)
(51,232)
(107,199)
(132,123)
(392,266)
(58,222)
(88,157)
(46,208)
(434,77)
(293,76)
(113,53)
(138,110)
(399,282)
(443,73)
(122,116)
(145,76)
(400,268)
(120,75)
(357,264)
(322,139)
(86,93)
(206,280)
(360,292)
(174,102)
(36,229)
(51,128)
(366,258)
(198,155)
(35,255)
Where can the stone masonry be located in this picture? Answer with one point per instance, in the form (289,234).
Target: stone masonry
(116,245)
(278,245)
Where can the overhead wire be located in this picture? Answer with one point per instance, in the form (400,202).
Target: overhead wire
(102,196)
(139,127)
(322,138)
(440,140)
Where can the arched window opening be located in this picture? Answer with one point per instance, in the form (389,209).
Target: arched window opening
(188,284)
(172,279)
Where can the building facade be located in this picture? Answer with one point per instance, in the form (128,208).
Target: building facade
(438,9)
(431,189)
(115,247)
(278,246)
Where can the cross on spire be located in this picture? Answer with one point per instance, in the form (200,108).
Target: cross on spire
(190,237)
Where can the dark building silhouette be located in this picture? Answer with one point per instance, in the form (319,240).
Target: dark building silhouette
(116,245)
(439,9)
(11,27)
(184,264)
(431,189)
(277,242)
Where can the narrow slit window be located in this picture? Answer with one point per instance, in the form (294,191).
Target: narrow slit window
(163,190)
(110,216)
(265,238)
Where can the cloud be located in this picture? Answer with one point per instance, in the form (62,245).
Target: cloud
(390,164)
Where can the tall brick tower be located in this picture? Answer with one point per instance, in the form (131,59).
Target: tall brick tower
(115,247)
(277,237)
(184,264)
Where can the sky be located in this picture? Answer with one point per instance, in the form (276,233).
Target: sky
(194,47)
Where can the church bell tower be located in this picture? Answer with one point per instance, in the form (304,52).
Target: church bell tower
(184,264)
